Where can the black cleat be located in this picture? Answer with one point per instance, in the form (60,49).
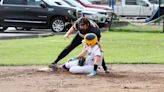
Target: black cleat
(53,67)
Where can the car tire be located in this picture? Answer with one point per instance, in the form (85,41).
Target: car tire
(2,29)
(58,24)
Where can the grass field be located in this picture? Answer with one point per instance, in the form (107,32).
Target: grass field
(120,46)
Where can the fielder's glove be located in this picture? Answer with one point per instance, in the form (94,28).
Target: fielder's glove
(93,73)
(81,61)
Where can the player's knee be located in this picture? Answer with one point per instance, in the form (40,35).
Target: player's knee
(71,63)
(74,70)
(67,65)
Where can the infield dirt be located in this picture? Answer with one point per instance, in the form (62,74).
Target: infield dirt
(122,78)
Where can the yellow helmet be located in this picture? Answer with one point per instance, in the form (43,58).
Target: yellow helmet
(90,39)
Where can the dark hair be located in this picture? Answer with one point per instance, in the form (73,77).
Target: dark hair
(84,20)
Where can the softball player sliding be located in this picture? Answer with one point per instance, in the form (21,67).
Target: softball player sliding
(92,51)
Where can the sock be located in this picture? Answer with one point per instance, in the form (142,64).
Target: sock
(95,67)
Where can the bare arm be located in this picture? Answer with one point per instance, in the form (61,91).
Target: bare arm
(72,29)
(97,60)
(81,54)
(69,32)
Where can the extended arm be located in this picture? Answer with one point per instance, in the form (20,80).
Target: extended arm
(96,62)
(69,32)
(81,54)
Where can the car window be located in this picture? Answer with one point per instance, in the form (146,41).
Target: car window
(61,3)
(162,3)
(33,2)
(154,1)
(57,3)
(119,2)
(130,2)
(69,3)
(15,2)
(141,2)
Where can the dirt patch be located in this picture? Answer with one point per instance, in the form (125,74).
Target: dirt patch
(123,78)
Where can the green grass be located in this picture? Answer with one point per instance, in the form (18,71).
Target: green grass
(32,51)
(142,28)
(119,47)
(136,44)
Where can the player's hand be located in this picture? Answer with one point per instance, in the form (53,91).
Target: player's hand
(93,73)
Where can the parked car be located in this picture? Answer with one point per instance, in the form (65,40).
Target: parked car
(89,4)
(98,15)
(35,14)
(134,8)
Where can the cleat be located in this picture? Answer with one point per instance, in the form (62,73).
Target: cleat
(53,67)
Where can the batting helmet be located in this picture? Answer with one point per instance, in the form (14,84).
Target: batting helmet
(90,39)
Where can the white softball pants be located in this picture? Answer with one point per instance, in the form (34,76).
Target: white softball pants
(75,68)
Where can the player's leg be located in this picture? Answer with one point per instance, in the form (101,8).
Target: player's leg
(75,42)
(104,66)
(71,64)
(81,69)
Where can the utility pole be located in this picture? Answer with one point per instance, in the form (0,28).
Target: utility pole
(159,12)
(111,4)
(163,24)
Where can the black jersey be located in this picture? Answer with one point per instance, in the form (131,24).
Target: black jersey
(93,28)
